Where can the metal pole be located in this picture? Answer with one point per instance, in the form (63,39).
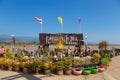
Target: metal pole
(86,43)
(41,28)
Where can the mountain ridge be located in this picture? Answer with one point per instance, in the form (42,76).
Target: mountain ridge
(6,38)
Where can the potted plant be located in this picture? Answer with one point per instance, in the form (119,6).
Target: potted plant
(59,67)
(35,67)
(105,62)
(3,63)
(67,65)
(96,58)
(9,64)
(86,61)
(16,66)
(47,65)
(25,66)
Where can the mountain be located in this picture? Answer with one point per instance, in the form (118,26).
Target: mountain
(6,38)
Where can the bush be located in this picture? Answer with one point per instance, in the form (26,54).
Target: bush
(8,54)
(46,65)
(96,58)
(103,45)
(68,62)
(35,66)
(82,61)
(105,61)
(59,65)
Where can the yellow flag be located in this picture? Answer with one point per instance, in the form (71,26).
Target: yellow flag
(60,44)
(60,20)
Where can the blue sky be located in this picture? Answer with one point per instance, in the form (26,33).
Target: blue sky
(100,19)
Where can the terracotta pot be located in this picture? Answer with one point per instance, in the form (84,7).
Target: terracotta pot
(16,69)
(59,71)
(67,71)
(47,71)
(105,67)
(2,67)
(101,69)
(77,71)
(25,70)
(10,68)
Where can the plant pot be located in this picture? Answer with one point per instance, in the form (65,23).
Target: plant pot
(101,69)
(105,67)
(17,69)
(59,71)
(67,71)
(47,71)
(2,67)
(10,68)
(77,71)
(94,70)
(25,70)
(86,71)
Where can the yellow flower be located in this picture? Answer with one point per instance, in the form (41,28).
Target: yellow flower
(96,55)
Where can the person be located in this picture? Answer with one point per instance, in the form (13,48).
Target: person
(89,51)
(75,49)
(69,50)
(13,42)
(36,56)
(46,49)
(39,51)
(55,57)
(24,48)
(66,52)
(2,50)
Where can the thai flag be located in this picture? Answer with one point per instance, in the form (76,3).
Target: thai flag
(38,19)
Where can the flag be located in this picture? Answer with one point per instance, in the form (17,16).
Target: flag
(60,20)
(38,19)
(79,19)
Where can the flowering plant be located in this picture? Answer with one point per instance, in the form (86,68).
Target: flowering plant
(96,58)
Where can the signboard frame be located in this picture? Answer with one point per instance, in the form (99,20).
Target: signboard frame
(69,38)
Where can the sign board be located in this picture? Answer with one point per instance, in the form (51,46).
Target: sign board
(69,39)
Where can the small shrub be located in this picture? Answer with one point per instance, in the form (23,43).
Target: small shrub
(104,61)
(8,54)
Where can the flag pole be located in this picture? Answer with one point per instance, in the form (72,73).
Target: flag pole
(41,28)
(79,21)
(80,29)
(60,21)
(61,28)
(61,31)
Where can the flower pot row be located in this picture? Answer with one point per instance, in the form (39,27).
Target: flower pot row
(45,66)
(75,71)
(87,71)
